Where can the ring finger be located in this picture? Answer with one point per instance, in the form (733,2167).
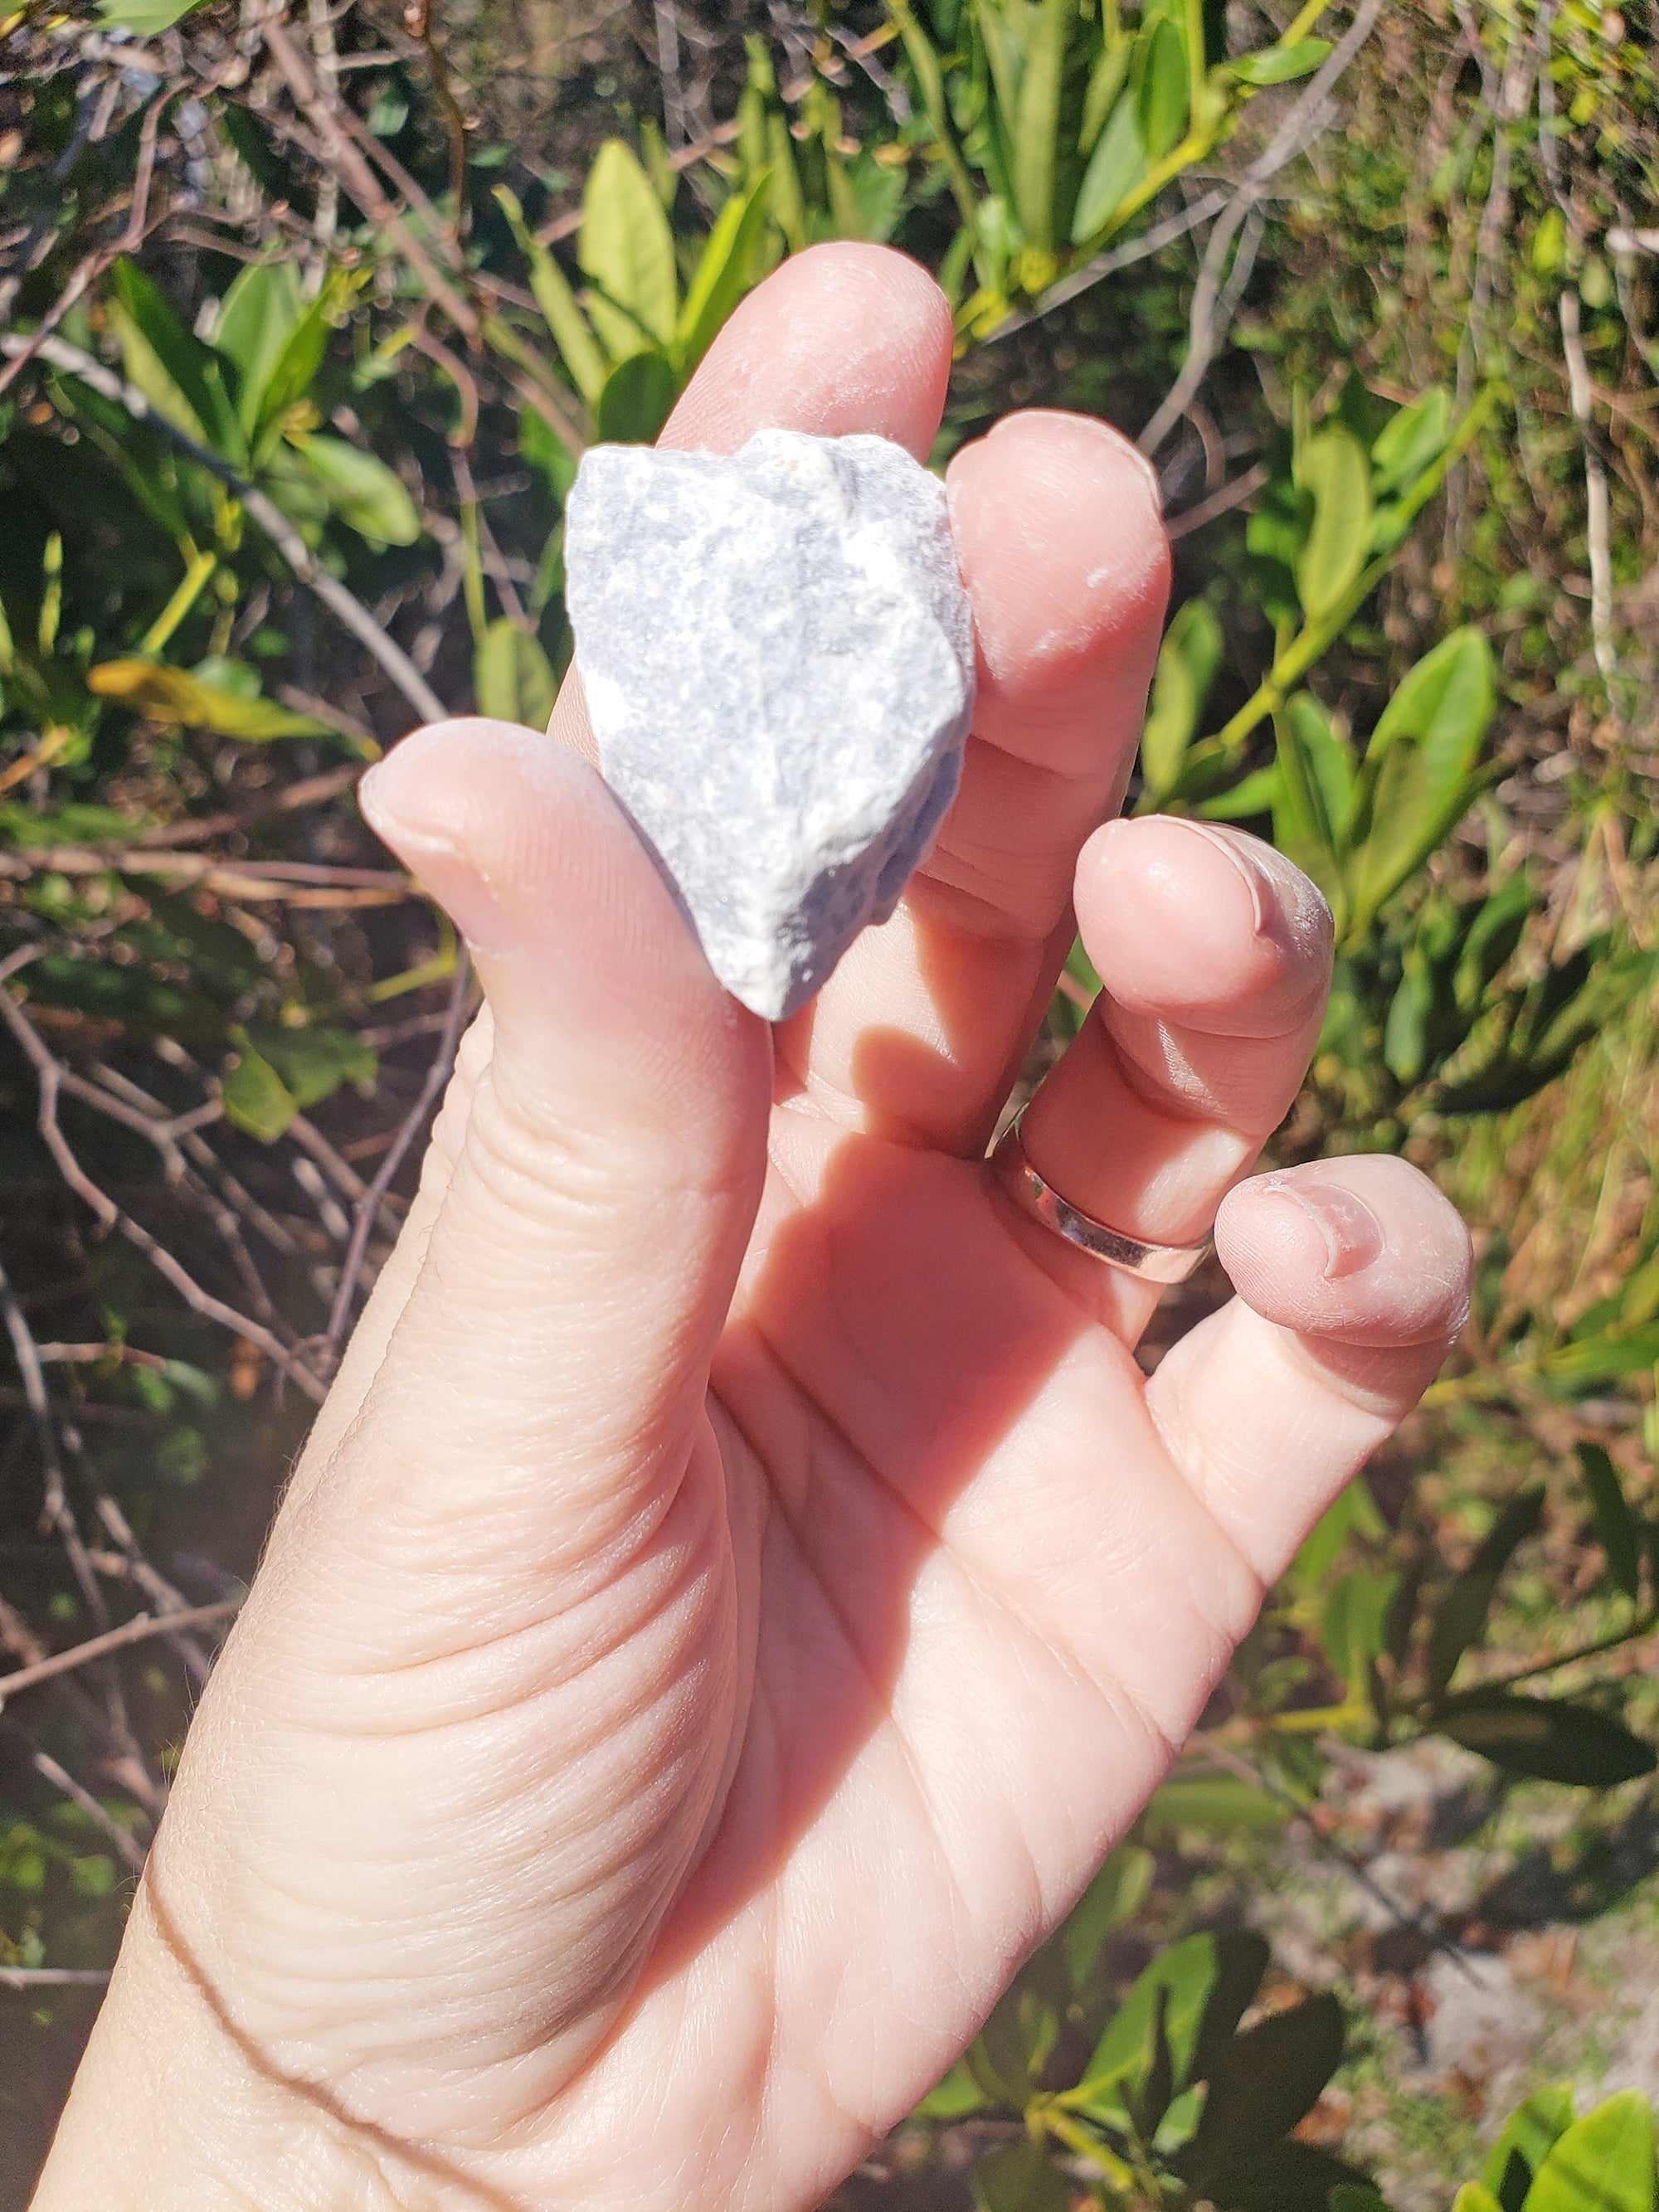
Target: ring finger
(1214,953)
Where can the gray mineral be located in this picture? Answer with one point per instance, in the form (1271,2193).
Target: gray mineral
(778,656)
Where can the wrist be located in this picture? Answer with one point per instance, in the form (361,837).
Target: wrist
(170,2110)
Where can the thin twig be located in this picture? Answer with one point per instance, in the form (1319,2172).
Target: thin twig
(310,790)
(54,1977)
(26,1353)
(356,174)
(436,1076)
(1239,493)
(50,1074)
(131,1849)
(1597,515)
(142,1628)
(188,867)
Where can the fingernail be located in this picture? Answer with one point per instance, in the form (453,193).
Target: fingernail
(1352,1233)
(1264,890)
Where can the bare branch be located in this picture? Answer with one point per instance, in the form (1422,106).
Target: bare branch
(142,1628)
(436,1076)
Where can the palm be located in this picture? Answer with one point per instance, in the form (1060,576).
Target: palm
(984,1603)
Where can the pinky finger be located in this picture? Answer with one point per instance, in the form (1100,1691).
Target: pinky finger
(1352,1277)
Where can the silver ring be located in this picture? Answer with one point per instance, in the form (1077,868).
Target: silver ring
(1153,1263)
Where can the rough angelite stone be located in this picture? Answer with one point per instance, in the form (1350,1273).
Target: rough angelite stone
(777,657)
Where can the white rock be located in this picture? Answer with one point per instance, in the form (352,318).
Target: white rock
(778,656)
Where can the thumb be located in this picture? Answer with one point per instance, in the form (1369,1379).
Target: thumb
(553,1350)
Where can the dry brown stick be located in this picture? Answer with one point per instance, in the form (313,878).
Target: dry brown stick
(49,1076)
(94,264)
(1597,527)
(1238,493)
(436,1076)
(150,1119)
(310,790)
(142,1628)
(490,557)
(189,867)
(26,1353)
(417,20)
(53,1978)
(356,176)
(154,1584)
(348,611)
(127,1772)
(99,1355)
(57,1512)
(129,1849)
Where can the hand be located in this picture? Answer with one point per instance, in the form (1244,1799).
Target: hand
(741,1581)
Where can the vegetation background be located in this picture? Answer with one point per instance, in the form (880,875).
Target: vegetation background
(306,313)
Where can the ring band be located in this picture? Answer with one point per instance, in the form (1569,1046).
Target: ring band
(1153,1263)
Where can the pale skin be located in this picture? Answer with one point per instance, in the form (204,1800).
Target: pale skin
(741,1583)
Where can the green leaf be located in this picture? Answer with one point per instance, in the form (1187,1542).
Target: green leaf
(1188,663)
(1353,1511)
(1163,88)
(1333,468)
(146,19)
(314,1062)
(1354,1627)
(1547,1739)
(1603,2163)
(1114,1896)
(1460,1616)
(257,318)
(1242,1961)
(1419,773)
(173,697)
(637,398)
(1411,441)
(179,375)
(1261,791)
(1279,64)
(1106,82)
(1529,2134)
(257,1099)
(1615,1525)
(726,268)
(1266,2080)
(568,327)
(1212,1804)
(1444,703)
(626,250)
(513,679)
(291,375)
(362,490)
(1177,1987)
(954,2099)
(1602,1359)
(1475,2197)
(1549,242)
(1116,167)
(1020,2177)
(1491,939)
(1037,120)
(1356,2197)
(1324,782)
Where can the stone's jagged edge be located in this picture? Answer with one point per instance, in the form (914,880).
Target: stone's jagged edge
(778,655)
